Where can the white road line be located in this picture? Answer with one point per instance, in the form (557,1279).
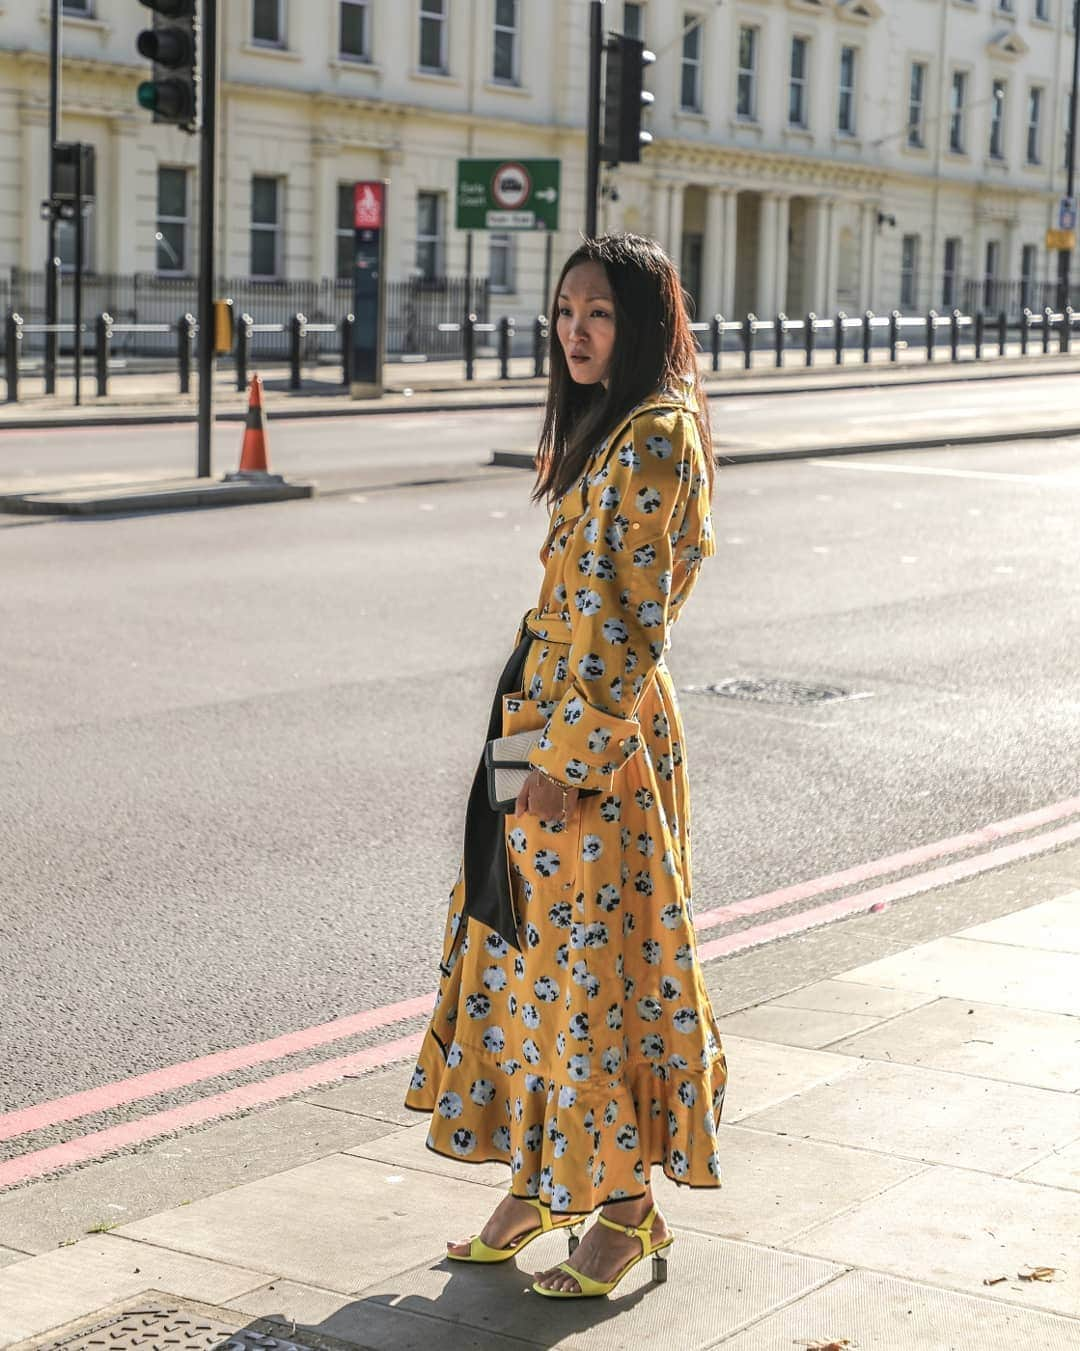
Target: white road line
(1047,480)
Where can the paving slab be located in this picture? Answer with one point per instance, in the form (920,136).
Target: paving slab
(775,1186)
(1061,1168)
(338,1223)
(1053,924)
(879,1313)
(845,996)
(407,1148)
(380,1094)
(968,968)
(9,1255)
(1015,1045)
(42,1293)
(794,1026)
(762,1073)
(930,1115)
(955,1228)
(165,495)
(198,1163)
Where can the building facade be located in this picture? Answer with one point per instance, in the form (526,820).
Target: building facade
(807,154)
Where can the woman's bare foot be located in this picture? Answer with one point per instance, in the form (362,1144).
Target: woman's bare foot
(511,1218)
(603,1252)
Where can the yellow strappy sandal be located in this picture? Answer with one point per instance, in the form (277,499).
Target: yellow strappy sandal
(589,1287)
(481,1252)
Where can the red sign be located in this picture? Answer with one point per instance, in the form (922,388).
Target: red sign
(368,206)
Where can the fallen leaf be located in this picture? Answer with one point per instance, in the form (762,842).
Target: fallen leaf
(827,1346)
(1038,1274)
(994,1280)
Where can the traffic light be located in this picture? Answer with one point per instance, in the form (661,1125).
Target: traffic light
(625,99)
(172,45)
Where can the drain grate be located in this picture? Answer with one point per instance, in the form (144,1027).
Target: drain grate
(750,690)
(163,1328)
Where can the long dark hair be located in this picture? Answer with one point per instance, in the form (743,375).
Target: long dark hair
(654,348)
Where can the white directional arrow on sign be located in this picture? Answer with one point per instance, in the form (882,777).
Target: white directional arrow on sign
(546,195)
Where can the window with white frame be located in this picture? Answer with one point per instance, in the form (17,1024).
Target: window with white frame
(268,22)
(266,232)
(173,220)
(1029,256)
(1034,123)
(993,254)
(797,101)
(690,87)
(345,235)
(917,105)
(845,113)
(1005,6)
(354,30)
(909,271)
(1042,10)
(958,112)
(997,120)
(746,92)
(633,20)
(429,227)
(79,9)
(433,36)
(951,272)
(501,262)
(504,67)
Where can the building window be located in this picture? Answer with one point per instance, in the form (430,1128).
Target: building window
(504,64)
(845,116)
(997,120)
(1028,263)
(354,37)
(345,233)
(993,252)
(909,266)
(173,220)
(1005,6)
(916,104)
(433,35)
(265,226)
(746,103)
(951,274)
(268,22)
(1034,119)
(957,110)
(690,92)
(633,20)
(501,262)
(429,221)
(1042,10)
(797,87)
(80,9)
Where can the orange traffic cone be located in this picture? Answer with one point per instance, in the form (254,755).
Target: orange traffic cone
(253,453)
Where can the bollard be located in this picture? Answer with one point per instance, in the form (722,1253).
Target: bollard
(345,328)
(102,338)
(838,336)
(13,336)
(506,338)
(979,323)
(1003,332)
(931,333)
(954,334)
(1048,319)
(1025,326)
(185,342)
(540,337)
(297,334)
(468,342)
(716,335)
(778,338)
(894,332)
(52,339)
(867,335)
(1065,336)
(242,350)
(748,340)
(809,337)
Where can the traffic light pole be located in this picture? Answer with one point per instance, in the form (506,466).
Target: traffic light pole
(52,299)
(207,231)
(1065,256)
(592,153)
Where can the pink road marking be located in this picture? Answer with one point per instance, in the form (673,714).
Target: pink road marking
(864,872)
(205,1067)
(895,891)
(99,1143)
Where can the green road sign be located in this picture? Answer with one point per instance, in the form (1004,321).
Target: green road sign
(508,194)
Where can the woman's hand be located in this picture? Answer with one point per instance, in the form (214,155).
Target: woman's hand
(540,797)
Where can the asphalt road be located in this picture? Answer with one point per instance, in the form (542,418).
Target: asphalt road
(235,745)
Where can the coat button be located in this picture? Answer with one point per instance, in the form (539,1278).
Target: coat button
(636,525)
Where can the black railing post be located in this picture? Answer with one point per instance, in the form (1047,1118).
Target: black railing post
(748,341)
(506,338)
(716,336)
(894,332)
(346,330)
(1048,319)
(980,322)
(102,339)
(931,333)
(468,342)
(838,336)
(778,338)
(1065,338)
(1003,332)
(954,334)
(185,343)
(13,335)
(867,335)
(1025,327)
(809,335)
(539,339)
(297,333)
(242,347)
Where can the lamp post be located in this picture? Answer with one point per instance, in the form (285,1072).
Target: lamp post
(1065,256)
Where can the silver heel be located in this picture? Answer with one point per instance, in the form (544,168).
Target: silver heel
(659,1268)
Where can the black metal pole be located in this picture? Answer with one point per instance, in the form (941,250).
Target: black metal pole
(1065,256)
(79,236)
(207,232)
(52,297)
(592,149)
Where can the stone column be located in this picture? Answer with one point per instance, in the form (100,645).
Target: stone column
(324,151)
(675,222)
(1010,263)
(820,289)
(731,252)
(33,185)
(867,227)
(714,252)
(397,266)
(783,225)
(127,250)
(765,292)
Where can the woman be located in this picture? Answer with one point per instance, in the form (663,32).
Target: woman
(572,1036)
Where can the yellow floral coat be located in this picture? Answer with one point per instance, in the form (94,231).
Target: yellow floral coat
(593,1053)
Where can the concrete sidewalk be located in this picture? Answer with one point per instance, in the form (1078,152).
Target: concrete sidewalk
(901,1148)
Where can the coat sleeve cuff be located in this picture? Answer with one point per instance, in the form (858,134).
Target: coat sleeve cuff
(582,746)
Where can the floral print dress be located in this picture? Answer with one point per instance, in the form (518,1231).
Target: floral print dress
(592,1053)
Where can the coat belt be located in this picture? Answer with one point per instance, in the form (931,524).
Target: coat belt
(554,627)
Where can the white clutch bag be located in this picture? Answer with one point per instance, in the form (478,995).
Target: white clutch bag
(507,768)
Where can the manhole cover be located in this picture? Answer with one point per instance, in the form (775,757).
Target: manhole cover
(167,1328)
(774,691)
